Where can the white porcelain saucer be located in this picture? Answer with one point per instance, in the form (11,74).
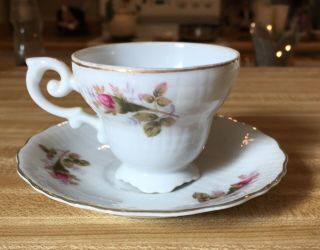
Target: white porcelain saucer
(70,166)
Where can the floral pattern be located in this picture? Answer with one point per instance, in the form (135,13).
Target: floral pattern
(245,180)
(59,162)
(149,110)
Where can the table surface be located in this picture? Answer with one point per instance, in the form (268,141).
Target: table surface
(282,102)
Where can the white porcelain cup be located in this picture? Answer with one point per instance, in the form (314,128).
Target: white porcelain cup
(154,103)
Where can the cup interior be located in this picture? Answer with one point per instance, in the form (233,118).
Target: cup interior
(155,55)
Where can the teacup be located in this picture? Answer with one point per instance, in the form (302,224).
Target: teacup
(154,103)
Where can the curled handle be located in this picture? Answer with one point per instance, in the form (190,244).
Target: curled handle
(37,66)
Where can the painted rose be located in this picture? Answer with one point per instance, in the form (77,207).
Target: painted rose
(59,166)
(147,110)
(62,176)
(241,184)
(106,100)
(245,180)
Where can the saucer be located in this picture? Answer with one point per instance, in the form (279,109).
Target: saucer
(70,166)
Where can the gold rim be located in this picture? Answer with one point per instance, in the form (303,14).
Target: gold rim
(151,71)
(120,69)
(116,210)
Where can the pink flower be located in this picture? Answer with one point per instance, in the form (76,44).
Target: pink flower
(106,100)
(245,180)
(242,183)
(62,176)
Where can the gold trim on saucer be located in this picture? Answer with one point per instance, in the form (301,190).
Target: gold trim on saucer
(152,213)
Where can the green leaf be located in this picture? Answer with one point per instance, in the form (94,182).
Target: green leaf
(50,152)
(76,161)
(84,163)
(145,116)
(148,98)
(44,148)
(131,107)
(163,101)
(201,197)
(67,162)
(152,128)
(167,121)
(73,156)
(123,106)
(160,89)
(59,166)
(232,189)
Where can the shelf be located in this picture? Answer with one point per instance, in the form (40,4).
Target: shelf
(75,43)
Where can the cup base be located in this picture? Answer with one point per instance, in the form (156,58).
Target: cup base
(157,182)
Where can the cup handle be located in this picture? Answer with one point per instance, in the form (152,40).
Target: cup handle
(37,66)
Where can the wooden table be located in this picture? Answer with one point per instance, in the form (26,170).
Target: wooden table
(283,102)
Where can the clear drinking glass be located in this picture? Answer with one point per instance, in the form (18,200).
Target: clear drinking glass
(26,20)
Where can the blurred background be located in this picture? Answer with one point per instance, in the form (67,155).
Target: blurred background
(266,32)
